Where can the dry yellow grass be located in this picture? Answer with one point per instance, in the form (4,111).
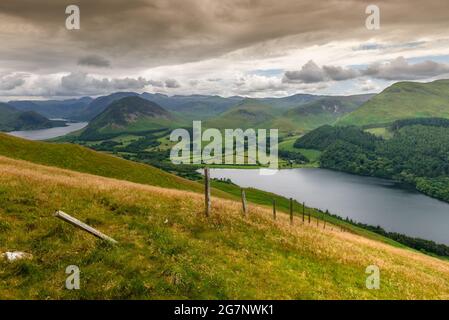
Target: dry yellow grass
(168,249)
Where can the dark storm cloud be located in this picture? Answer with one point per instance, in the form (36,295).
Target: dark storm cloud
(94,61)
(148,33)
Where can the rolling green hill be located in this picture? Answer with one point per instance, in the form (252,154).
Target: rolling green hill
(319,112)
(130,114)
(249,113)
(400,101)
(75,157)
(12,119)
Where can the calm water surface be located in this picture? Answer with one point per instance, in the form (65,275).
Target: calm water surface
(44,134)
(364,199)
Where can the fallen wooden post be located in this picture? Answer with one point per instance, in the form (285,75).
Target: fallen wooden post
(81,225)
(244,202)
(207,191)
(274,209)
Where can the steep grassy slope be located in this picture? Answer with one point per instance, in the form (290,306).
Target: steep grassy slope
(168,249)
(402,100)
(74,157)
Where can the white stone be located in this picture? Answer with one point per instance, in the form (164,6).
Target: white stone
(17,255)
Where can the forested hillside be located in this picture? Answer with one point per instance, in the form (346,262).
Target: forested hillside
(418,153)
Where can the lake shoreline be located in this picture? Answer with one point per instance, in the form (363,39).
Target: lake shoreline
(394,205)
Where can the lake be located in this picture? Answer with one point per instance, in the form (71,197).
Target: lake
(44,134)
(364,199)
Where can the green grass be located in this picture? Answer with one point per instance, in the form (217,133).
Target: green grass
(168,250)
(81,159)
(381,132)
(400,101)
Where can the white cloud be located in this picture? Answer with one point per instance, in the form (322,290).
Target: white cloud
(312,73)
(401,69)
(11,81)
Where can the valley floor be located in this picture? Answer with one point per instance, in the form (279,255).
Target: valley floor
(168,249)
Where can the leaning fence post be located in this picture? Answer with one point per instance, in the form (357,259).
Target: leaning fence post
(81,225)
(207,191)
(274,209)
(244,202)
(291,211)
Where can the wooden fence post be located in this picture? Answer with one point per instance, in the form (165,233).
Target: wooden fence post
(244,202)
(274,209)
(309,217)
(291,211)
(303,211)
(324,220)
(207,191)
(73,221)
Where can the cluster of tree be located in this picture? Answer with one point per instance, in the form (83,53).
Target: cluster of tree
(426,246)
(295,157)
(437,122)
(324,136)
(417,154)
(91,134)
(161,159)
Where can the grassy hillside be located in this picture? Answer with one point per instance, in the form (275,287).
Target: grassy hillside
(402,100)
(319,112)
(249,113)
(75,157)
(168,249)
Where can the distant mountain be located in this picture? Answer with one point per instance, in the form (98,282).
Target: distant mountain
(193,107)
(249,113)
(130,114)
(298,112)
(286,103)
(98,105)
(280,113)
(318,112)
(400,101)
(65,109)
(12,119)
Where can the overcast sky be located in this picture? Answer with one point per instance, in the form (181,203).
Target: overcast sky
(227,47)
